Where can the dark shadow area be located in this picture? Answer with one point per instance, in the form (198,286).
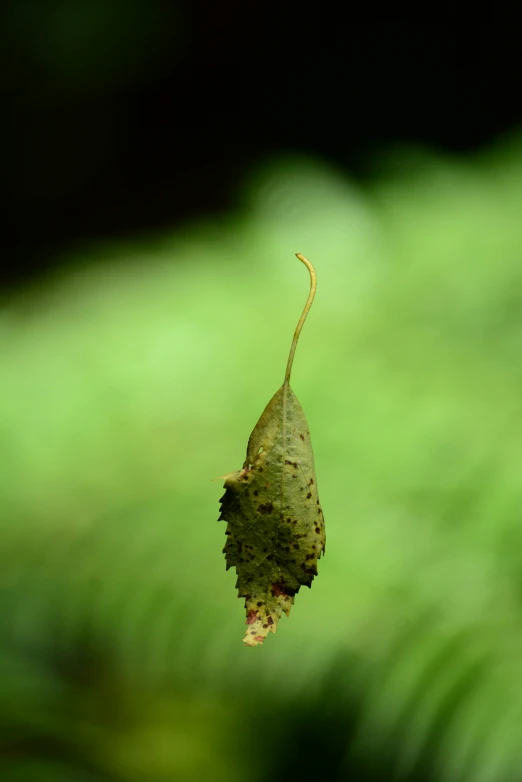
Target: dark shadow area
(122,118)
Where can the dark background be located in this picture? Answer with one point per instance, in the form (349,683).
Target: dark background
(123,117)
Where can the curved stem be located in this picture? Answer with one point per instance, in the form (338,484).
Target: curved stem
(313,287)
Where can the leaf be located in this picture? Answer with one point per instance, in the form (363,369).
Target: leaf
(275,522)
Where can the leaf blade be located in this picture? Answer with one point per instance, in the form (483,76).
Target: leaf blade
(275,525)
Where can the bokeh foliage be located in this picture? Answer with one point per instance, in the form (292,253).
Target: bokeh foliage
(132,381)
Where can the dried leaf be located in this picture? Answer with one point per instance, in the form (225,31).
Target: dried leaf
(275,523)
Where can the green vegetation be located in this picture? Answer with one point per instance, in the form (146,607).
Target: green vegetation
(128,384)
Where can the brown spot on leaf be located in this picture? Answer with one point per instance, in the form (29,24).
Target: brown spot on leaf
(310,481)
(256,493)
(308,495)
(270,620)
(260,603)
(302,437)
(265,509)
(277,591)
(251,616)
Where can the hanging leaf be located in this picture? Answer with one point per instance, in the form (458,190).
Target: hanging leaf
(275,523)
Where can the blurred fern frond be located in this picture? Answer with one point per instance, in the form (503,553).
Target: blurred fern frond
(127,387)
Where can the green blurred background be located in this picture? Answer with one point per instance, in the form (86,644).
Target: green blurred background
(139,343)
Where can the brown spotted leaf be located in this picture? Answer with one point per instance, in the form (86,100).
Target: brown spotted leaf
(275,523)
